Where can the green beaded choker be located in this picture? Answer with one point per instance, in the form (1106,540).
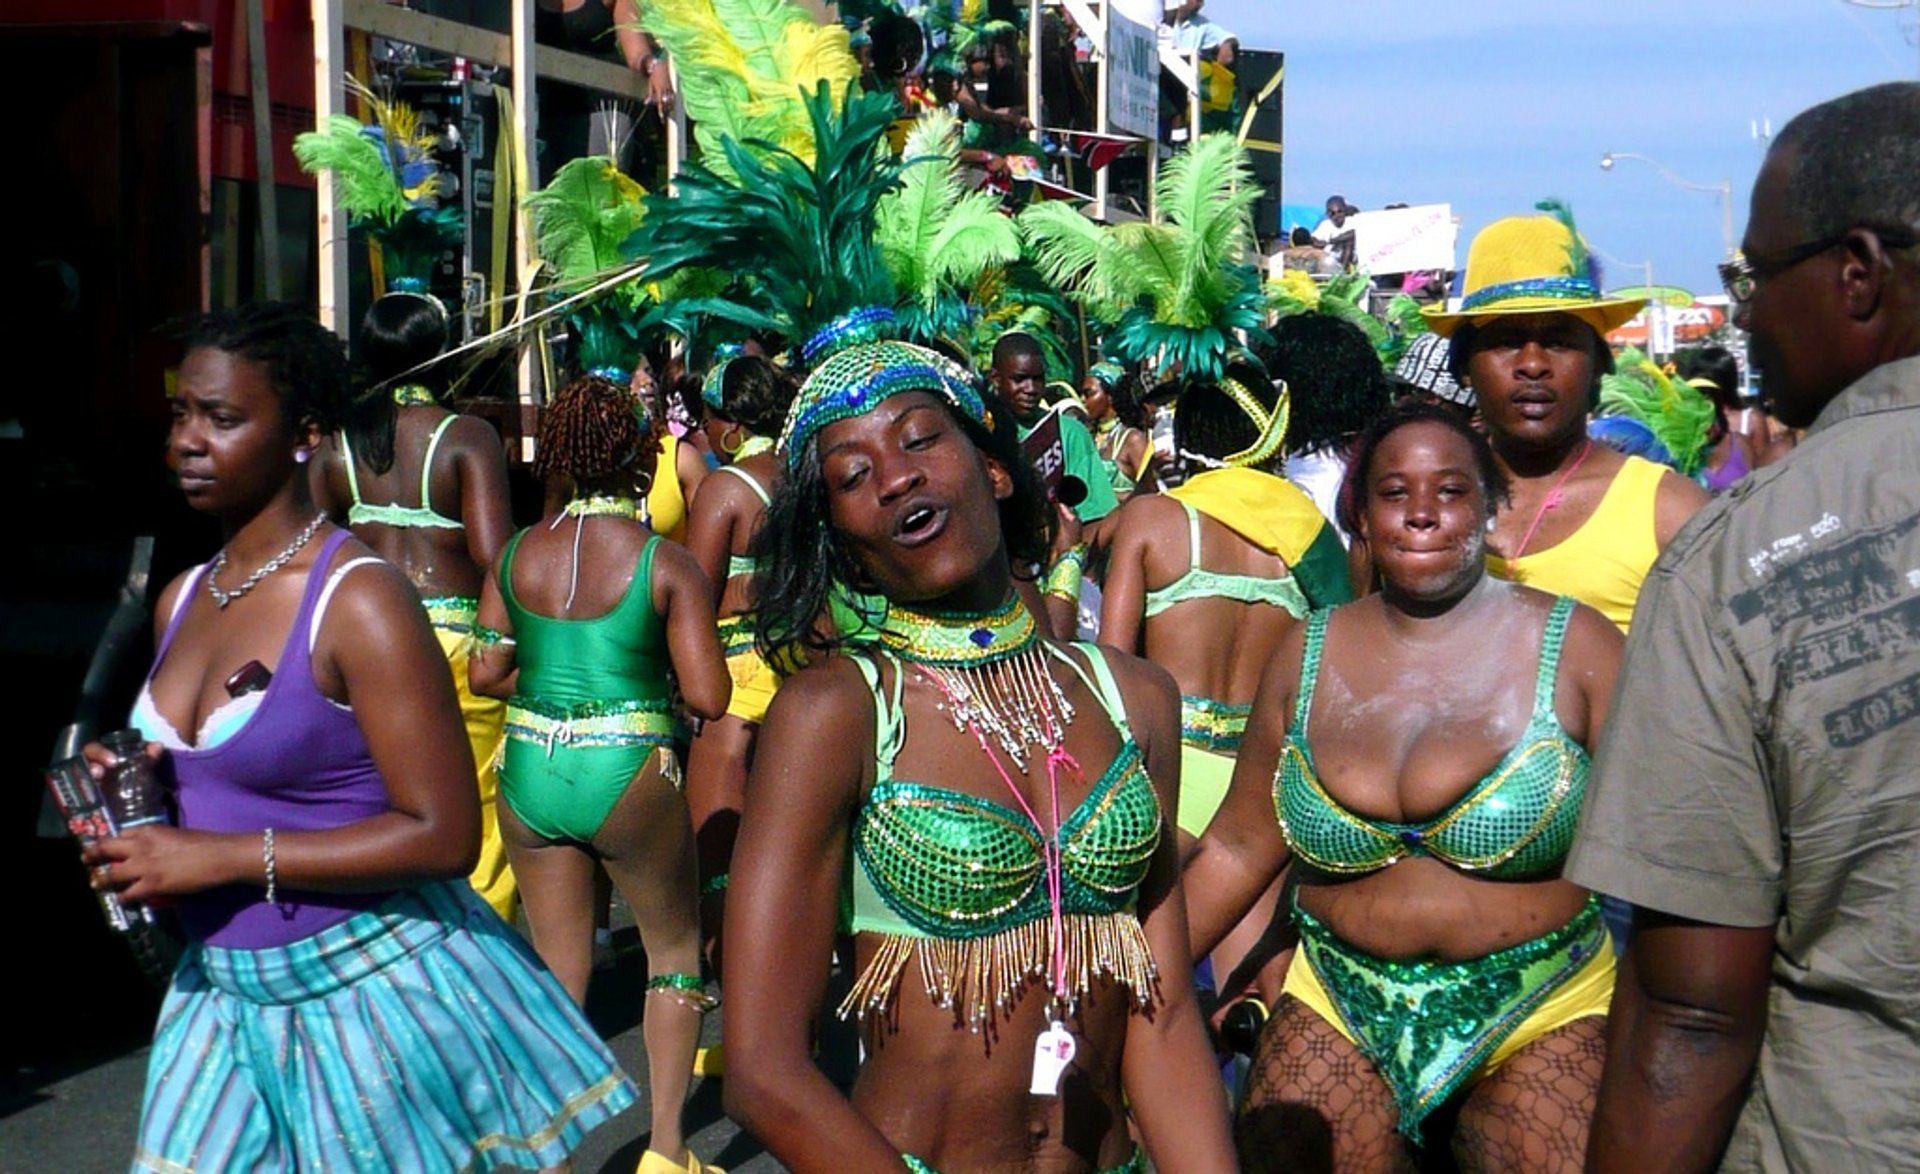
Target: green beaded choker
(413,395)
(753,447)
(600,505)
(960,640)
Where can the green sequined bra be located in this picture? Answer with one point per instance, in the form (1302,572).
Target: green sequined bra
(957,882)
(1515,823)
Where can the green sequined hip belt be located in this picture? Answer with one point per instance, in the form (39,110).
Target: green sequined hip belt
(736,634)
(1137,1164)
(1206,724)
(452,613)
(589,723)
(1428,1026)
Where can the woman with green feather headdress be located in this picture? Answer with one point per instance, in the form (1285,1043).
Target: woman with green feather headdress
(949,732)
(422,486)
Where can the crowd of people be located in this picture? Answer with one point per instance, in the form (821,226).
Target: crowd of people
(1539,804)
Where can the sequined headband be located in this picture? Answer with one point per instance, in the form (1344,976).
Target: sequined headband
(713,386)
(854,381)
(416,287)
(1108,373)
(1272,425)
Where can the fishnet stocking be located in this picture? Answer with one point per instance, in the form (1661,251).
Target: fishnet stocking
(1313,1102)
(1533,1114)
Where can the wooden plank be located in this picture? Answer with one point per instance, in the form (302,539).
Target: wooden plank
(329,97)
(478,44)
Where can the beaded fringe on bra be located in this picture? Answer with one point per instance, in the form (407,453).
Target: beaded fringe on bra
(981,977)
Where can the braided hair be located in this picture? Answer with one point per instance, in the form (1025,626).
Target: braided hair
(592,430)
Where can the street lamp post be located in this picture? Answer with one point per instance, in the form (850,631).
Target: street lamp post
(1723,189)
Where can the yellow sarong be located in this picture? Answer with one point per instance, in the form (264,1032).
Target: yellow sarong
(485,719)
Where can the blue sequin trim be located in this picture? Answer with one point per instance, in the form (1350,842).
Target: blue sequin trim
(867,324)
(1571,289)
(613,375)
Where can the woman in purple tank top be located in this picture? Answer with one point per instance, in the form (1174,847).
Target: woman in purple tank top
(324,1015)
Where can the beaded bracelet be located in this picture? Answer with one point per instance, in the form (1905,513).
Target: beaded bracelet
(266,856)
(714,884)
(487,637)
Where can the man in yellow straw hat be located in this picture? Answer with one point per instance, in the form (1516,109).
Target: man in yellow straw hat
(1530,339)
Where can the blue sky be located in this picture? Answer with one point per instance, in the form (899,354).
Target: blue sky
(1490,105)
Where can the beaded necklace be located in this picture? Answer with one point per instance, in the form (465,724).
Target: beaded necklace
(592,505)
(413,395)
(992,670)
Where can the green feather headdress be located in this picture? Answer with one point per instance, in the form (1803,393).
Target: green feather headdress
(936,238)
(388,182)
(746,70)
(1679,415)
(1180,289)
(581,219)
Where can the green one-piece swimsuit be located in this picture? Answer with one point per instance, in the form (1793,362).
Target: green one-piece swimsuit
(593,702)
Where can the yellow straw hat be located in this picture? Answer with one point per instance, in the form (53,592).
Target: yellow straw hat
(1533,265)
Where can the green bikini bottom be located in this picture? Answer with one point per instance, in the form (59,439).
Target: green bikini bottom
(564,766)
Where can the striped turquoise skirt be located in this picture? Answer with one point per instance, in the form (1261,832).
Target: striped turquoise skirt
(421,1036)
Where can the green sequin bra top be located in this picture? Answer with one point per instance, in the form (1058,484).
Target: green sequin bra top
(1515,823)
(958,882)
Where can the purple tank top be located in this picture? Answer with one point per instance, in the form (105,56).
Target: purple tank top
(299,763)
(1728,474)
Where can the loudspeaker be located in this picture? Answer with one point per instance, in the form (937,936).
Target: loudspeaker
(1258,81)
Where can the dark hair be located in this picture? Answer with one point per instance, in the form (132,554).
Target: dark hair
(1460,353)
(1716,365)
(1208,422)
(399,332)
(898,45)
(1853,160)
(755,394)
(593,429)
(805,564)
(1338,384)
(306,363)
(1353,494)
(1128,396)
(1017,344)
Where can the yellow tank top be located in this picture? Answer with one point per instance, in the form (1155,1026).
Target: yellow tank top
(665,508)
(1603,562)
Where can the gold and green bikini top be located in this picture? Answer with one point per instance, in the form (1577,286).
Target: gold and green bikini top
(1200,583)
(1515,823)
(958,881)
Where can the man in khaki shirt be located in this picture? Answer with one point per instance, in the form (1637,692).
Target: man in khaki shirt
(1756,795)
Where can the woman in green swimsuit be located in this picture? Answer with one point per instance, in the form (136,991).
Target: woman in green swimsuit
(985,809)
(398,445)
(1206,580)
(583,619)
(1421,756)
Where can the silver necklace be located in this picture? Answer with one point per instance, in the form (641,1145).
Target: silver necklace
(223,598)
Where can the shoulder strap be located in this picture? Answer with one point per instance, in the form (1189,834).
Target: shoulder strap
(643,569)
(506,568)
(180,601)
(346,455)
(326,596)
(753,482)
(1193,536)
(1310,667)
(1550,642)
(1101,682)
(426,464)
(888,729)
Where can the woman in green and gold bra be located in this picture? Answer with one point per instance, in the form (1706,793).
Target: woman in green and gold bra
(746,398)
(427,490)
(988,810)
(1421,756)
(582,620)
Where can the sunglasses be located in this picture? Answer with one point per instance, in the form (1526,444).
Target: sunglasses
(1742,275)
